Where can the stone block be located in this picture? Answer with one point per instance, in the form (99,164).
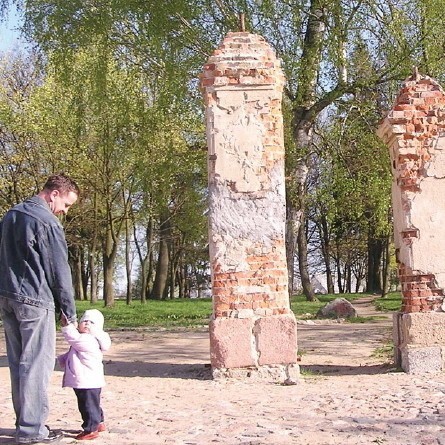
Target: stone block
(422,329)
(422,360)
(231,343)
(284,374)
(276,339)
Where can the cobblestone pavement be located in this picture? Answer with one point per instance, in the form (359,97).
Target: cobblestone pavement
(160,391)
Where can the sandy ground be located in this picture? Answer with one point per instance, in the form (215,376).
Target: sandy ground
(160,391)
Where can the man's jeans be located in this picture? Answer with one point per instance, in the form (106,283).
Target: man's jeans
(30,334)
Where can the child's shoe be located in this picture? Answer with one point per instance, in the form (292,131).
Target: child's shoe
(101,428)
(87,435)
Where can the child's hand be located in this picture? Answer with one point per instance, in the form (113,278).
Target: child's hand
(93,329)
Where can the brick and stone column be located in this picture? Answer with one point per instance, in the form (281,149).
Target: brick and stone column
(415,132)
(252,331)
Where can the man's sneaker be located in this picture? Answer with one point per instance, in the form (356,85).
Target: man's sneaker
(53,437)
(85,435)
(101,428)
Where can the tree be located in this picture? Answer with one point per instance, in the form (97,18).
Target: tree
(323,73)
(319,42)
(21,169)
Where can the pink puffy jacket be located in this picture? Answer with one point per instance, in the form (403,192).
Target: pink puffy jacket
(83,362)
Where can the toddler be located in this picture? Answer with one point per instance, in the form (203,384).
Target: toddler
(84,370)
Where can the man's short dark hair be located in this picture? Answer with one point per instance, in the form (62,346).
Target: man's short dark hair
(62,183)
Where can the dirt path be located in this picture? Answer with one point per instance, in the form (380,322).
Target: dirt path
(160,392)
(330,347)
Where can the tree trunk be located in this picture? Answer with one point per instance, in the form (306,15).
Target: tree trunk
(292,221)
(329,279)
(386,270)
(93,275)
(173,263)
(144,259)
(109,256)
(180,279)
(303,123)
(150,272)
(375,251)
(303,264)
(326,252)
(339,272)
(128,262)
(76,271)
(187,282)
(348,279)
(144,276)
(85,273)
(94,291)
(108,282)
(78,282)
(162,266)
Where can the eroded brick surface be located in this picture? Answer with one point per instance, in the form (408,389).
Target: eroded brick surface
(242,84)
(415,133)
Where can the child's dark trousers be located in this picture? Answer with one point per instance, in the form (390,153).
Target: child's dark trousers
(88,401)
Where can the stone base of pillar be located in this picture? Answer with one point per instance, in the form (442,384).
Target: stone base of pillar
(261,347)
(419,342)
(288,374)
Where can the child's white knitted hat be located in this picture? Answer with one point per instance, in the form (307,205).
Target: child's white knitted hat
(94,316)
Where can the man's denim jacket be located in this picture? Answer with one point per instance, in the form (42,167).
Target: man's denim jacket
(34,266)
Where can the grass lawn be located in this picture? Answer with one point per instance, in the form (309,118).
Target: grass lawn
(308,309)
(196,312)
(154,313)
(391,303)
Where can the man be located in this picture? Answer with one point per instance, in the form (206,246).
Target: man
(35,281)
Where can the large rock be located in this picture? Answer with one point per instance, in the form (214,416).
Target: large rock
(338,308)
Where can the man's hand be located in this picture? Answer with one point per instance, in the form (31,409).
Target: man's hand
(63,320)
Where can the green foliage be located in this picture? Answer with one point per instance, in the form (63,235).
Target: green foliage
(22,170)
(356,175)
(350,196)
(429,30)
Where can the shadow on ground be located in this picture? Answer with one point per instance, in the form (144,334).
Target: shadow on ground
(160,370)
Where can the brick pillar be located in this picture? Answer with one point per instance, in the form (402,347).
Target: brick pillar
(415,132)
(253,330)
